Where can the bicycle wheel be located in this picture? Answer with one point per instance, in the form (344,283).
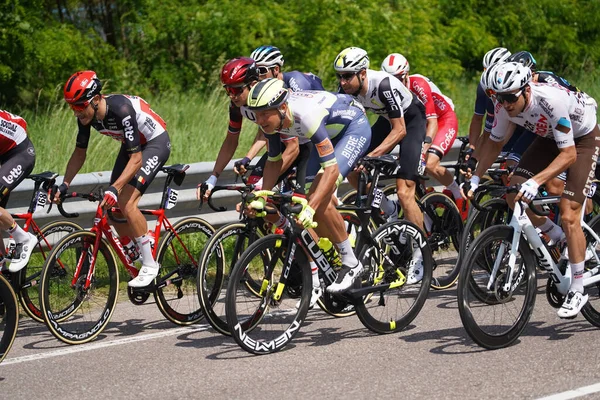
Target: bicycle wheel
(266,324)
(178,253)
(393,304)
(216,262)
(591,310)
(9,317)
(478,221)
(443,237)
(28,278)
(495,317)
(73,314)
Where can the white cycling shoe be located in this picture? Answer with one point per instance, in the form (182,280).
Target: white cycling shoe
(573,303)
(146,276)
(22,252)
(415,272)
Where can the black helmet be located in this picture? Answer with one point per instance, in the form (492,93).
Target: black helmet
(525,58)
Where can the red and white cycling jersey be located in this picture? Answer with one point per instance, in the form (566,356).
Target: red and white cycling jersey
(13,130)
(436,104)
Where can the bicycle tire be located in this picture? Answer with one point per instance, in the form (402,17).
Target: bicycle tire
(9,317)
(394,306)
(27,280)
(495,335)
(591,309)
(444,238)
(68,311)
(249,316)
(178,254)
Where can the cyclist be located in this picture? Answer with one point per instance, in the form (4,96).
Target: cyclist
(568,136)
(442,124)
(17,159)
(483,107)
(145,147)
(237,76)
(336,124)
(401,121)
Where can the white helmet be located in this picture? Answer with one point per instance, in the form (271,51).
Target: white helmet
(351,59)
(495,56)
(267,56)
(507,77)
(395,64)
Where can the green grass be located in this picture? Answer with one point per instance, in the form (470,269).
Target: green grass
(197,125)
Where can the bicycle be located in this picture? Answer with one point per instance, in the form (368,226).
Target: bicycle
(25,282)
(9,317)
(382,300)
(80,279)
(497,287)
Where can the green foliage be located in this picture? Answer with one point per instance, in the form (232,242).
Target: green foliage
(149,47)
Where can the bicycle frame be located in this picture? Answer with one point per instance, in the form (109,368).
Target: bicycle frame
(522,225)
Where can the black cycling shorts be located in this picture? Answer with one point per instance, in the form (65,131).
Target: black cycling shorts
(15,165)
(155,154)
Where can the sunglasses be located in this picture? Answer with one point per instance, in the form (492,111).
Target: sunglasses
(508,97)
(263,70)
(79,107)
(234,90)
(345,77)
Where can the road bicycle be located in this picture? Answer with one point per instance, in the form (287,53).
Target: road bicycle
(26,281)
(80,279)
(498,283)
(9,317)
(383,301)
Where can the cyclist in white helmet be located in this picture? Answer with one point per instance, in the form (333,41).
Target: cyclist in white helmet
(442,123)
(401,122)
(567,140)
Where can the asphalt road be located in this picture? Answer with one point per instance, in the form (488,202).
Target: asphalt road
(141,355)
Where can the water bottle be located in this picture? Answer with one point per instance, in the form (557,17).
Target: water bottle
(330,253)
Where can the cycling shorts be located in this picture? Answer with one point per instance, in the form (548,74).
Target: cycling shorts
(446,134)
(155,154)
(15,165)
(579,175)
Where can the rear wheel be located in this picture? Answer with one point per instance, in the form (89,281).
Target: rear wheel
(9,317)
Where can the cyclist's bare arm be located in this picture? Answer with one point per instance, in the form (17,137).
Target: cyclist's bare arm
(475,129)
(73,166)
(291,152)
(259,143)
(271,173)
(226,153)
(431,130)
(397,133)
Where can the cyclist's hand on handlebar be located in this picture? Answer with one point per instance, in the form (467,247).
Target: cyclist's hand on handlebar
(59,192)
(111,195)
(240,166)
(528,191)
(204,189)
(306,217)
(468,188)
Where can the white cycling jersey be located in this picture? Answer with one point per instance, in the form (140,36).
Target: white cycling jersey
(386,95)
(13,130)
(550,107)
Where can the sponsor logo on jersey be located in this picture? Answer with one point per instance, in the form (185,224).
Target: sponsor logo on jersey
(127,128)
(391,100)
(548,109)
(353,148)
(324,148)
(8,126)
(13,174)
(150,166)
(31,151)
(150,124)
(294,85)
(347,114)
(541,126)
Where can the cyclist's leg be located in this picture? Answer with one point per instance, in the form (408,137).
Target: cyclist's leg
(154,155)
(580,176)
(16,165)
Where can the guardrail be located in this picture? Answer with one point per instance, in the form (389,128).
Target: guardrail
(187,204)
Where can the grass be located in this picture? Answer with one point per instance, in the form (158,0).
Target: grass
(197,124)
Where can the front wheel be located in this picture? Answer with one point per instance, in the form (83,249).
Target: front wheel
(74,311)
(591,310)
(266,323)
(9,317)
(495,311)
(178,254)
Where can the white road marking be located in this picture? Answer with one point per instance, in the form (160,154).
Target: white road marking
(102,344)
(571,394)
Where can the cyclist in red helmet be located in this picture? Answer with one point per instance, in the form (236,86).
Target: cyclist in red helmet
(17,159)
(145,147)
(238,76)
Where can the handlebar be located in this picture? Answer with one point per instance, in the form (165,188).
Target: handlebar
(93,197)
(533,205)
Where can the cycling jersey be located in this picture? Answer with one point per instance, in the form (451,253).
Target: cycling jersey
(318,116)
(128,119)
(551,107)
(13,131)
(484,105)
(294,80)
(386,95)
(551,77)
(436,106)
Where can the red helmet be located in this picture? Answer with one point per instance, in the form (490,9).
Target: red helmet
(81,87)
(239,71)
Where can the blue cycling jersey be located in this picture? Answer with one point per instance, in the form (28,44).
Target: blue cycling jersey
(297,80)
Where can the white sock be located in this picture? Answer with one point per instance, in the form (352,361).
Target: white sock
(18,234)
(315,274)
(553,231)
(143,243)
(455,189)
(347,254)
(577,277)
(388,206)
